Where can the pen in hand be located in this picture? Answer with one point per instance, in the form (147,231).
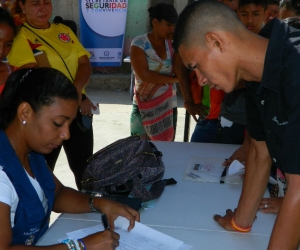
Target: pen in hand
(105,221)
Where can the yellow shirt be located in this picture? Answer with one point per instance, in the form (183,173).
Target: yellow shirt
(59,36)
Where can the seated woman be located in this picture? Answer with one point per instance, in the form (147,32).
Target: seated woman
(8,32)
(151,57)
(37,107)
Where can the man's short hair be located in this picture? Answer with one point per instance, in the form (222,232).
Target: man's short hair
(263,3)
(202,17)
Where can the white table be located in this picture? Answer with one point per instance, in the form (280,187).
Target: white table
(185,210)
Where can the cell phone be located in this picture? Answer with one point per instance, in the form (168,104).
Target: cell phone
(97,111)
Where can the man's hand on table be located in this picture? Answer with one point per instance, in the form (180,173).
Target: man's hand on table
(225,221)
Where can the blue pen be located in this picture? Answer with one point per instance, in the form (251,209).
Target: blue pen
(105,221)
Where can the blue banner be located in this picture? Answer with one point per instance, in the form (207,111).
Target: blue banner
(102,28)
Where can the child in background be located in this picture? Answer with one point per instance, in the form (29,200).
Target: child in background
(252,13)
(273,9)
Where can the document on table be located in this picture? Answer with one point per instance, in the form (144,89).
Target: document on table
(141,237)
(208,170)
(237,168)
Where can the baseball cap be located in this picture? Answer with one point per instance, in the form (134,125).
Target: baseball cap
(164,11)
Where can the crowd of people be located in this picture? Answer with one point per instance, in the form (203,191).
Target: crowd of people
(236,64)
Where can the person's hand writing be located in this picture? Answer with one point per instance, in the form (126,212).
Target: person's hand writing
(270,205)
(86,107)
(196,109)
(106,240)
(115,209)
(225,221)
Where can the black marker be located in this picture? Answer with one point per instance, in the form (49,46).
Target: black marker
(105,221)
(223,174)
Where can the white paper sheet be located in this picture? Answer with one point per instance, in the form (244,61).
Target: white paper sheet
(207,170)
(237,168)
(141,237)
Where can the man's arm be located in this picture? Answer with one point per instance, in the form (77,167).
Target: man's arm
(258,165)
(183,75)
(286,234)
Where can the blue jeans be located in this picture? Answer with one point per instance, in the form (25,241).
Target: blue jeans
(205,131)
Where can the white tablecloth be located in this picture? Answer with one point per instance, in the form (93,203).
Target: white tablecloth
(185,210)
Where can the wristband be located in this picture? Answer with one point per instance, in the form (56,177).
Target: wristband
(91,201)
(238,228)
(77,244)
(70,244)
(81,244)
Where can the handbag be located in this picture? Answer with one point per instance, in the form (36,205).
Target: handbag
(129,167)
(157,116)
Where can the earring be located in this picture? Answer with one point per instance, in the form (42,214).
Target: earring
(24,122)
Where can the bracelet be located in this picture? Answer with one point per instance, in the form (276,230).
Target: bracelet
(239,228)
(76,243)
(81,244)
(91,201)
(70,244)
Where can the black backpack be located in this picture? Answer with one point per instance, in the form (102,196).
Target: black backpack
(128,167)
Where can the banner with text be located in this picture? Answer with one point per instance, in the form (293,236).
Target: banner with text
(102,28)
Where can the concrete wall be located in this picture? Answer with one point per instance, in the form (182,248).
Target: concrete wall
(137,22)
(67,9)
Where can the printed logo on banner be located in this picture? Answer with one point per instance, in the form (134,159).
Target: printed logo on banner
(105,41)
(107,56)
(92,53)
(102,12)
